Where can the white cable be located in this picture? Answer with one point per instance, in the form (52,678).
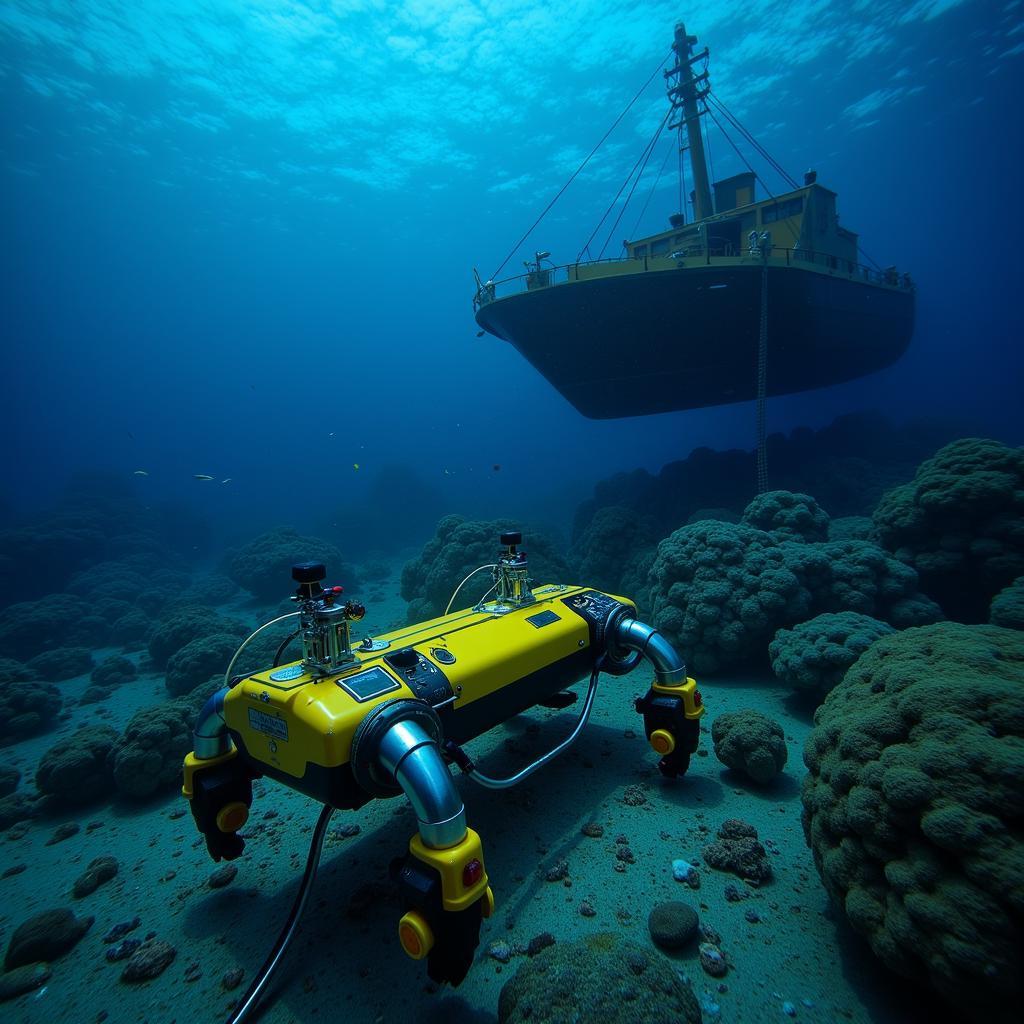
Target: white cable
(493,565)
(280,618)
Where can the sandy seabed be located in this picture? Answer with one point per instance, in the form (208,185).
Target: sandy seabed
(346,964)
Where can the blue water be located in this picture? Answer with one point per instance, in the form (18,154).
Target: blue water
(239,239)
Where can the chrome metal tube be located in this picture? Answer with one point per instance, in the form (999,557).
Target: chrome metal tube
(588,703)
(669,666)
(411,755)
(210,736)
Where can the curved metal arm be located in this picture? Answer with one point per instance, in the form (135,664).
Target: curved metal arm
(634,635)
(210,736)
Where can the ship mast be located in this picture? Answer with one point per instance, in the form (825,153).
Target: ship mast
(690,88)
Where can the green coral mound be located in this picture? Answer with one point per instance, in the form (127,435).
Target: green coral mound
(598,978)
(198,660)
(914,810)
(615,540)
(813,656)
(960,524)
(721,590)
(74,770)
(264,565)
(458,547)
(1008,606)
(797,516)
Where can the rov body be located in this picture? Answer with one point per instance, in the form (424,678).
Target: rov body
(348,723)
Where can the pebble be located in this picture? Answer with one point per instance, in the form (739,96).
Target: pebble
(123,950)
(149,961)
(752,915)
(193,972)
(684,871)
(633,796)
(62,832)
(673,924)
(344,831)
(593,830)
(100,870)
(222,876)
(14,869)
(789,1009)
(587,910)
(558,872)
(625,854)
(500,951)
(232,979)
(539,942)
(711,960)
(121,929)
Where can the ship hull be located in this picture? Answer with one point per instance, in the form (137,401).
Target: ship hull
(652,342)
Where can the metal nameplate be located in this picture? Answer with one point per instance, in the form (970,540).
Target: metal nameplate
(543,619)
(262,722)
(283,675)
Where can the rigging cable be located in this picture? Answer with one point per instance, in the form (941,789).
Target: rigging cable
(640,174)
(647,201)
(749,136)
(640,160)
(575,173)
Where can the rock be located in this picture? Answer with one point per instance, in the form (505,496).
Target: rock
(633,796)
(737,850)
(222,876)
(500,951)
(587,910)
(123,950)
(672,925)
(14,869)
(9,779)
(121,929)
(45,937)
(558,872)
(539,942)
(62,832)
(149,961)
(593,830)
(232,979)
(711,960)
(22,979)
(684,871)
(100,870)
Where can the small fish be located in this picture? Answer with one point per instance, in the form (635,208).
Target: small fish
(496,467)
(202,476)
(446,473)
(226,480)
(140,472)
(355,465)
(331,434)
(479,334)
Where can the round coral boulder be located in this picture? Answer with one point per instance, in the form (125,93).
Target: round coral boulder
(599,978)
(749,742)
(913,809)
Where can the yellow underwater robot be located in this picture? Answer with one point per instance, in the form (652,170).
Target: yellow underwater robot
(389,715)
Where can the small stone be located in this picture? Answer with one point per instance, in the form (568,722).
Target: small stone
(734,895)
(121,929)
(625,854)
(587,910)
(62,832)
(193,972)
(500,951)
(222,876)
(751,915)
(22,979)
(629,734)
(346,831)
(684,871)
(789,1009)
(232,979)
(539,942)
(100,870)
(123,950)
(559,871)
(673,924)
(178,812)
(149,961)
(14,869)
(593,830)
(711,960)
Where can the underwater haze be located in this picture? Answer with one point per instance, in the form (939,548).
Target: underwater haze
(242,243)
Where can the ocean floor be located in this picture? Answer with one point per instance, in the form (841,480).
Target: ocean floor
(782,942)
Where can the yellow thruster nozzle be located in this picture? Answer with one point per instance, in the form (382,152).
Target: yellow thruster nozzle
(231,817)
(663,742)
(415,935)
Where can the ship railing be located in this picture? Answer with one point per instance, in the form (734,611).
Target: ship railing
(715,255)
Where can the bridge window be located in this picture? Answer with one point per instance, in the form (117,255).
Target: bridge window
(780,211)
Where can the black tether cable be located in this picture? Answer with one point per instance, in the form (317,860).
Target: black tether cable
(629,106)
